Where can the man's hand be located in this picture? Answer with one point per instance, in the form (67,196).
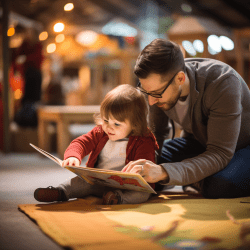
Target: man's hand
(150,171)
(71,161)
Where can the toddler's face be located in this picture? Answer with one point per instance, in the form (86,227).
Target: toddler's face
(116,130)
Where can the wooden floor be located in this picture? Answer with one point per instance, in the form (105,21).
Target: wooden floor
(20,175)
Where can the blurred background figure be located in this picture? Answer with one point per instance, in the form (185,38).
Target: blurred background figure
(27,59)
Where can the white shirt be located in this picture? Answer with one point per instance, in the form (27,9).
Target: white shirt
(183,114)
(113,155)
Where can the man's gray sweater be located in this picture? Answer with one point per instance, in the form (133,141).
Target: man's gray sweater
(220,119)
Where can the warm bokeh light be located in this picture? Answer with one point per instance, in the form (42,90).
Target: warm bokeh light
(58,27)
(11,31)
(60,38)
(51,48)
(104,43)
(15,41)
(18,94)
(43,36)
(69,7)
(70,45)
(87,37)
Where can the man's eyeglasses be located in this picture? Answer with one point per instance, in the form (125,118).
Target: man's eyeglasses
(152,94)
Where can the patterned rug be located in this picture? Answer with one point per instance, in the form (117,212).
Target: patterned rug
(167,221)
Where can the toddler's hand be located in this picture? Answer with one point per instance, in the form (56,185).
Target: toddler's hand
(71,161)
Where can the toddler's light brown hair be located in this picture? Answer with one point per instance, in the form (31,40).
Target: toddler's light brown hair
(125,102)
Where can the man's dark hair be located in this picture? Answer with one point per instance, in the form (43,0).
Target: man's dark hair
(159,57)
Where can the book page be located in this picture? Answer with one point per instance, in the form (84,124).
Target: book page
(50,156)
(114,179)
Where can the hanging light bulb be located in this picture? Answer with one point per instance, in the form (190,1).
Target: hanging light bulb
(58,27)
(68,6)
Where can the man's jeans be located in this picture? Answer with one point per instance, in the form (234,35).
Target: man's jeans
(231,182)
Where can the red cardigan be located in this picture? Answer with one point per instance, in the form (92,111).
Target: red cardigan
(139,147)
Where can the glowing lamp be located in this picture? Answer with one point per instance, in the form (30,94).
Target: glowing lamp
(51,48)
(87,37)
(58,27)
(68,6)
(43,36)
(60,38)
(11,31)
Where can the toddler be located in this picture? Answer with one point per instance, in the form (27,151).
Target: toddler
(121,136)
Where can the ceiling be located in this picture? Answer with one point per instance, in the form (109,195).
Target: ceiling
(233,13)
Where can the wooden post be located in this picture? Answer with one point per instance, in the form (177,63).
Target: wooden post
(5,48)
(125,76)
(98,80)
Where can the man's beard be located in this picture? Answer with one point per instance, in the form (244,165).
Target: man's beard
(170,104)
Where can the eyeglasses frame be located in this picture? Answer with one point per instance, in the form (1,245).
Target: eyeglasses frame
(156,95)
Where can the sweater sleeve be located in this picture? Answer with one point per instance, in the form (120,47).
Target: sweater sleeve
(84,144)
(222,101)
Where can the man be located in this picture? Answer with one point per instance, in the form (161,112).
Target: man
(211,102)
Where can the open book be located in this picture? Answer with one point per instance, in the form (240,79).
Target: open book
(116,179)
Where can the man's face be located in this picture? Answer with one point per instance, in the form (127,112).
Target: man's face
(154,84)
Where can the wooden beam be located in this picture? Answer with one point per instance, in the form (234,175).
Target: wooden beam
(113,10)
(239,7)
(244,32)
(202,8)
